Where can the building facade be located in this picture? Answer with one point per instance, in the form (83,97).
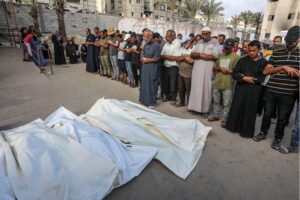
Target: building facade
(140,9)
(279,16)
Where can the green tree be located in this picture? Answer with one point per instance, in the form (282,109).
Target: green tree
(235,21)
(256,22)
(191,7)
(211,9)
(246,18)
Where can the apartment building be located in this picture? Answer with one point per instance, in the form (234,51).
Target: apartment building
(279,16)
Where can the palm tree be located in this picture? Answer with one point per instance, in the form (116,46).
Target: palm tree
(173,4)
(235,21)
(35,16)
(211,9)
(256,22)
(191,7)
(60,12)
(246,18)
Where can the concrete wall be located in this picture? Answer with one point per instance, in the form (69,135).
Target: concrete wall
(75,22)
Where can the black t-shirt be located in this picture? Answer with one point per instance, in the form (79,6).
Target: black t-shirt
(128,55)
(136,58)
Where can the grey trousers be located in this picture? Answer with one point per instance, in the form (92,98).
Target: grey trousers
(226,96)
(114,63)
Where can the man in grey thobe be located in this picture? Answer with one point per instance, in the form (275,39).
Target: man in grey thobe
(149,75)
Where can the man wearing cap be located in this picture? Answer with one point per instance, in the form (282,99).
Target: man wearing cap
(104,54)
(168,53)
(113,52)
(282,88)
(185,64)
(204,55)
(223,83)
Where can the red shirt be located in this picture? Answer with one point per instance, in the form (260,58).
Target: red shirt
(28,38)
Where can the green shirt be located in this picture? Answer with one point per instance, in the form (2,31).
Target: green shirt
(225,81)
(104,51)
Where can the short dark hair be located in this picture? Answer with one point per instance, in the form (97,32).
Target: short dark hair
(192,35)
(104,31)
(278,36)
(120,36)
(156,35)
(144,30)
(97,28)
(222,35)
(255,43)
(133,35)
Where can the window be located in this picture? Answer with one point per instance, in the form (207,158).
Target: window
(129,1)
(274,0)
(267,35)
(156,6)
(298,16)
(291,16)
(131,14)
(271,17)
(162,7)
(138,1)
(142,14)
(156,16)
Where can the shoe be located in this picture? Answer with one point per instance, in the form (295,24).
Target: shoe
(276,144)
(152,106)
(259,137)
(173,103)
(179,105)
(290,149)
(223,124)
(204,115)
(212,119)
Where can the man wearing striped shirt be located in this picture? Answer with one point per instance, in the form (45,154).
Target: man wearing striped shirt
(282,88)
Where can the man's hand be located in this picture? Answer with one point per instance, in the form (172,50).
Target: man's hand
(223,70)
(189,60)
(291,71)
(145,60)
(249,79)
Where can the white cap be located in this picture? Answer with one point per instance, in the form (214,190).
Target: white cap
(206,29)
(127,36)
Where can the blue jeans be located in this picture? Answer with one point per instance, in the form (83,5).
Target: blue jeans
(295,131)
(129,71)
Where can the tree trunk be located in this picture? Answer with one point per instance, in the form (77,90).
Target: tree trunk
(245,32)
(60,12)
(34,14)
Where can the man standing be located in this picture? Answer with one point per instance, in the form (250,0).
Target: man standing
(282,87)
(149,76)
(185,70)
(168,53)
(221,39)
(223,83)
(204,55)
(248,74)
(104,54)
(97,48)
(113,52)
(91,65)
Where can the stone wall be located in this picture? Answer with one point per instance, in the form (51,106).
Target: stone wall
(75,22)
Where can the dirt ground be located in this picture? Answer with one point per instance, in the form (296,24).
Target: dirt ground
(231,167)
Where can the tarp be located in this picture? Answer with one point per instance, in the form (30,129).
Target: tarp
(179,141)
(130,159)
(42,165)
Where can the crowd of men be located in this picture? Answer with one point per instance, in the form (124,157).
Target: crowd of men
(218,78)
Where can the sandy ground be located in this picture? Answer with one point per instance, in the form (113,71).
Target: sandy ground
(231,167)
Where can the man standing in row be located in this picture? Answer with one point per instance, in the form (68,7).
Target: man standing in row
(169,51)
(282,87)
(149,77)
(104,54)
(204,54)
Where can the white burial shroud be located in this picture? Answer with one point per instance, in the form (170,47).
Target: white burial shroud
(130,159)
(42,165)
(179,141)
